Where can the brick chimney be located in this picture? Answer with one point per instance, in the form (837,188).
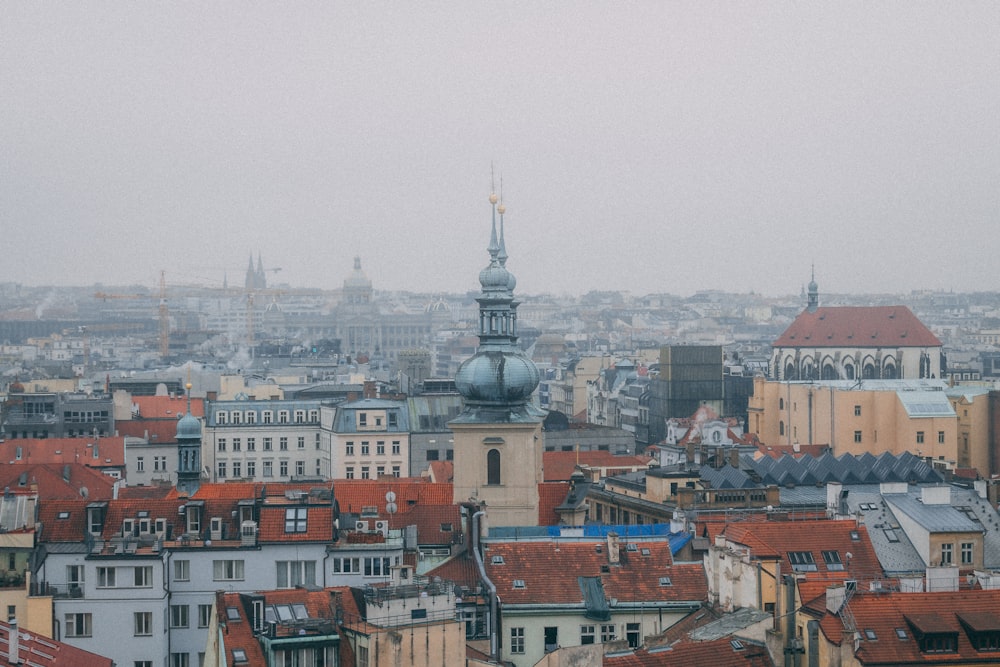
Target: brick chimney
(614,557)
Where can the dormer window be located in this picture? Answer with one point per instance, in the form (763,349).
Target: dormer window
(251,417)
(193,519)
(282,416)
(832,560)
(266,416)
(362,419)
(221,418)
(496,560)
(802,561)
(237,417)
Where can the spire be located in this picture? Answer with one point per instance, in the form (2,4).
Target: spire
(501,209)
(813,303)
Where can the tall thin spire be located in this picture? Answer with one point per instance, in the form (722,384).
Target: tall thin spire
(501,209)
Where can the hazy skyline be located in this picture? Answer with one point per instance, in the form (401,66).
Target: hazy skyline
(646,147)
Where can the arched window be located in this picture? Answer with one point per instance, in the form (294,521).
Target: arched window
(829,372)
(781,403)
(849,371)
(493,467)
(889,371)
(869,371)
(781,428)
(789,371)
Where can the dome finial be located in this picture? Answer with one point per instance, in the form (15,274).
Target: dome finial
(501,209)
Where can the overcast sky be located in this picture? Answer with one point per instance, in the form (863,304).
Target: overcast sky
(647,147)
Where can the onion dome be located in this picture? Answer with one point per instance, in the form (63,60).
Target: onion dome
(188,426)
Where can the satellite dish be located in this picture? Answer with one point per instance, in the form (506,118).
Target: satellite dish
(390,497)
(84,492)
(390,508)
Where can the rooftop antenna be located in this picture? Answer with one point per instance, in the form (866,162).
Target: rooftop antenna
(501,209)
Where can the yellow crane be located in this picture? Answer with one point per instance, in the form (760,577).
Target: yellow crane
(163,312)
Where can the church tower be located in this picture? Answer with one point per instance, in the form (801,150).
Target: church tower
(498,445)
(188,450)
(813,303)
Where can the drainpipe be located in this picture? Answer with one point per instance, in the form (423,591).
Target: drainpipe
(494,616)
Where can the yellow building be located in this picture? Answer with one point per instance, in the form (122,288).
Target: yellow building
(855,417)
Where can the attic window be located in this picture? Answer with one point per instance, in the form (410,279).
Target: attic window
(665,581)
(446,528)
(802,561)
(295,519)
(890,534)
(870,635)
(832,560)
(62,515)
(855,536)
(736,644)
(239,656)
(901,634)
(496,560)
(143,514)
(631,546)
(605,569)
(519,583)
(233,613)
(645,551)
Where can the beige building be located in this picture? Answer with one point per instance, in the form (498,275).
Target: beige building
(855,417)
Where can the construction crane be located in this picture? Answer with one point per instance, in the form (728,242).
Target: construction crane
(163,313)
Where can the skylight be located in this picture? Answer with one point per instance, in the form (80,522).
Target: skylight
(665,581)
(239,656)
(519,583)
(496,560)
(232,613)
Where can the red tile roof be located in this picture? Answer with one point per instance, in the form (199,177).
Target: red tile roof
(353,494)
(44,652)
(857,326)
(550,572)
(155,431)
(167,407)
(559,466)
(913,613)
(717,653)
(436,524)
(52,483)
(441,471)
(550,496)
(319,525)
(110,450)
(776,539)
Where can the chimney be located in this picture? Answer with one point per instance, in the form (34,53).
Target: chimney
(13,642)
(211,395)
(734,458)
(613,550)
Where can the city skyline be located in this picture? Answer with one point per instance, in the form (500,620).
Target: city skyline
(666,148)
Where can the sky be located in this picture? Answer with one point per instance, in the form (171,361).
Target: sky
(643,146)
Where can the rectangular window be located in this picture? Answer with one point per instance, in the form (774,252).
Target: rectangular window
(106,577)
(266,416)
(283,444)
(295,519)
(292,573)
(142,577)
(857,436)
(159,463)
(517,641)
(395,447)
(832,560)
(947,557)
(301,442)
(380,448)
(857,410)
(267,444)
(221,469)
(608,633)
(300,416)
(267,469)
(802,561)
(79,625)
(432,455)
(182,570)
(377,567)
(140,465)
(362,419)
(346,565)
(633,634)
(365,449)
(251,417)
(179,616)
(587,634)
(967,548)
(395,471)
(379,471)
(221,417)
(920,437)
(940,437)
(221,444)
(365,472)
(204,615)
(235,417)
(251,468)
(300,468)
(237,469)
(227,570)
(142,623)
(393,420)
(349,448)
(282,416)
(349,472)
(237,444)
(251,444)
(179,660)
(74,575)
(283,468)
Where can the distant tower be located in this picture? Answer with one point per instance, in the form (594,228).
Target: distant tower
(260,276)
(255,278)
(188,450)
(357,286)
(498,447)
(813,303)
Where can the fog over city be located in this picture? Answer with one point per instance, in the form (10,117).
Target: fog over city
(645,147)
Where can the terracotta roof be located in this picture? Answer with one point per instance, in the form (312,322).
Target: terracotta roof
(777,539)
(52,483)
(154,430)
(958,614)
(718,653)
(353,494)
(441,471)
(550,496)
(559,466)
(167,407)
(857,326)
(319,524)
(436,524)
(550,572)
(461,569)
(42,651)
(110,450)
(62,520)
(236,634)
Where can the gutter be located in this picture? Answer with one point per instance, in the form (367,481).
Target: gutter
(494,616)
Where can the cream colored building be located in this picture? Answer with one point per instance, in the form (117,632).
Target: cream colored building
(855,417)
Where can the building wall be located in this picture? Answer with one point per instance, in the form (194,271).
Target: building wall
(514,501)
